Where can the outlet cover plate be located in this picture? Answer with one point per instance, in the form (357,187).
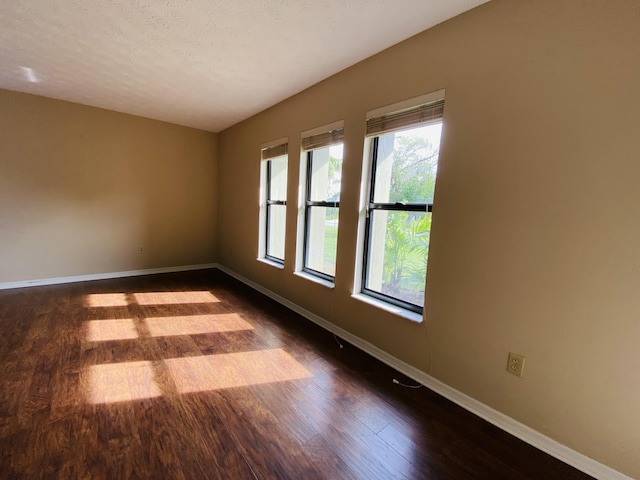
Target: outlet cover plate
(515,364)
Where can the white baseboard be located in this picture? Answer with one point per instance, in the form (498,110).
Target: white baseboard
(500,420)
(104,276)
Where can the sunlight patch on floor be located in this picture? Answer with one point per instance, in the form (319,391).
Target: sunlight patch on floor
(120,382)
(213,372)
(173,298)
(106,300)
(195,324)
(106,330)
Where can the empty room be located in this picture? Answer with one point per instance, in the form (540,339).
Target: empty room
(255,239)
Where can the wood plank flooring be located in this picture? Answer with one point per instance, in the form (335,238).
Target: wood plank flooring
(195,376)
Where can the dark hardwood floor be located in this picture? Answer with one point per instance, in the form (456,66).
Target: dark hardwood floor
(193,375)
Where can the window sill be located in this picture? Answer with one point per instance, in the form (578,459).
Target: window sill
(271,262)
(315,279)
(400,312)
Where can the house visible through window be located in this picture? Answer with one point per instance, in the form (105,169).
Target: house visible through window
(322,202)
(275,203)
(404,160)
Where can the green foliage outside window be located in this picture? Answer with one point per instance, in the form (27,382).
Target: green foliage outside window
(407,233)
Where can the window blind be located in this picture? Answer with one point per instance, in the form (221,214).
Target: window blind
(275,151)
(415,116)
(324,139)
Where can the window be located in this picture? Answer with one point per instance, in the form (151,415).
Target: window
(323,154)
(274,174)
(404,158)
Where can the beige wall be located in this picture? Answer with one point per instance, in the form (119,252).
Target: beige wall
(81,189)
(536,229)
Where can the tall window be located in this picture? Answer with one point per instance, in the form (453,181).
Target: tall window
(322,202)
(404,160)
(275,204)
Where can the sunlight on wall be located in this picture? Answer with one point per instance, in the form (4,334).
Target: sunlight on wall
(30,74)
(195,324)
(212,372)
(114,329)
(106,300)
(120,382)
(173,298)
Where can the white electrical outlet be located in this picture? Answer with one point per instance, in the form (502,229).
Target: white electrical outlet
(515,364)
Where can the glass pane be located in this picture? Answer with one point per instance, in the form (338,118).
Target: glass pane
(326,173)
(322,239)
(276,230)
(406,165)
(278,190)
(397,254)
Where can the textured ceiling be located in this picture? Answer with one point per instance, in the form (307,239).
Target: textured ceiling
(202,63)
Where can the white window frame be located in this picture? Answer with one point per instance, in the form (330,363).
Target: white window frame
(303,203)
(392,305)
(267,156)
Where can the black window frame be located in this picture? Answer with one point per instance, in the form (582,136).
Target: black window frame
(308,205)
(269,203)
(429,111)
(373,206)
